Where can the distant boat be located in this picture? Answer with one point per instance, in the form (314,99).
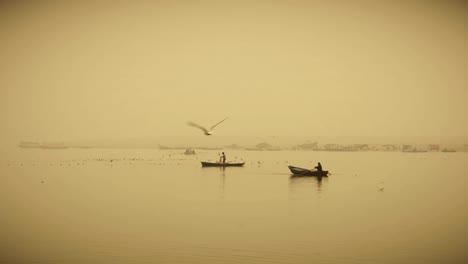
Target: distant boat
(29,144)
(220,164)
(414,151)
(449,150)
(306,172)
(190,152)
(53,145)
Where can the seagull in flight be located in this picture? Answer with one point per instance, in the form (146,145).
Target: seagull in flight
(206,131)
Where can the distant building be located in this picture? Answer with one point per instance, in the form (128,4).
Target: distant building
(308,146)
(406,147)
(263,145)
(434,147)
(234,146)
(361,147)
(331,146)
(338,147)
(390,147)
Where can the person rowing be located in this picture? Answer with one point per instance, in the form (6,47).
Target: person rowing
(318,167)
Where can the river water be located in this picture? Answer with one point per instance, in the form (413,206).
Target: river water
(153,206)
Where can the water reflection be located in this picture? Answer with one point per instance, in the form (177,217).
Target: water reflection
(301,187)
(222,175)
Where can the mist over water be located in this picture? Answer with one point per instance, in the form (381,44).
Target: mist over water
(100,71)
(146,206)
(129,76)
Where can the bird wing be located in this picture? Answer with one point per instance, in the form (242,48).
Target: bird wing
(218,123)
(197,126)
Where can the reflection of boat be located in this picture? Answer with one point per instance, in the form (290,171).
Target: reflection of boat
(305,172)
(189,152)
(301,180)
(220,164)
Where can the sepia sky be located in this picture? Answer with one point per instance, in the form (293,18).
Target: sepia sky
(294,69)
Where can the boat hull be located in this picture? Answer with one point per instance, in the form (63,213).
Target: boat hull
(305,172)
(220,164)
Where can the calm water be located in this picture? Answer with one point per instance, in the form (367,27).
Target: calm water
(151,206)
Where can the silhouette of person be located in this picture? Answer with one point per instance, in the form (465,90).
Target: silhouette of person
(223,157)
(319,167)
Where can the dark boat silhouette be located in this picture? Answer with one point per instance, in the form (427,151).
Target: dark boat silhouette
(220,164)
(189,151)
(296,171)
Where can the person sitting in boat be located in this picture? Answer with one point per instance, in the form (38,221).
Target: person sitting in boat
(318,167)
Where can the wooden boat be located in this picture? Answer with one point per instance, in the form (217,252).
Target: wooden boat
(220,164)
(306,172)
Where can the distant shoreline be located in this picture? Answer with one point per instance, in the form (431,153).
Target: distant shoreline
(315,146)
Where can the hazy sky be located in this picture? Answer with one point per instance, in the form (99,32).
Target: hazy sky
(278,68)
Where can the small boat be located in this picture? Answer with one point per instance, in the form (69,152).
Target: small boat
(189,152)
(53,145)
(220,164)
(306,172)
(29,144)
(449,150)
(414,150)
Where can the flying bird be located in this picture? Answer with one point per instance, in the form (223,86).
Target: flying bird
(206,131)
